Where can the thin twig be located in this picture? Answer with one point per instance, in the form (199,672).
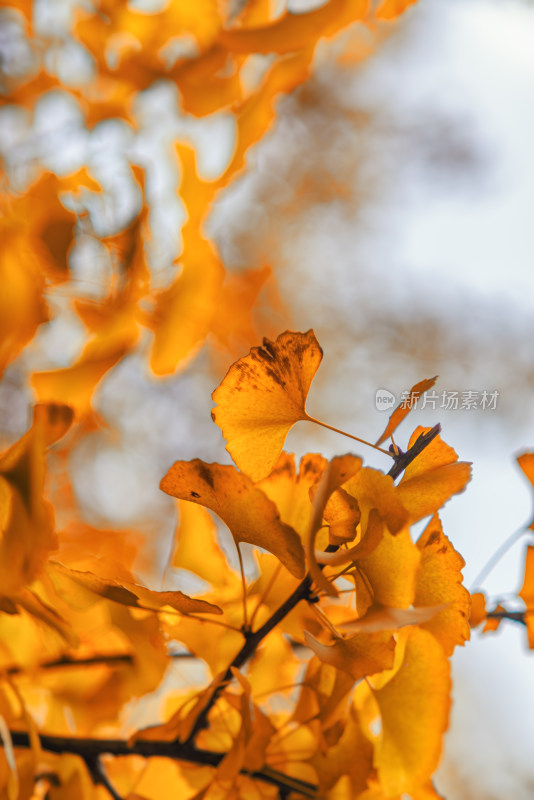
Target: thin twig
(65,661)
(513,616)
(402,460)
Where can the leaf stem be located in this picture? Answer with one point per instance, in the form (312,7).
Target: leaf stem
(350,435)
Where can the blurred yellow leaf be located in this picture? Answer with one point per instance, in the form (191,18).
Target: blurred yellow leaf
(26,519)
(478,609)
(196,547)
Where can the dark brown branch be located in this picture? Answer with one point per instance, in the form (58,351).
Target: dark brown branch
(402,460)
(99,776)
(302,592)
(90,751)
(65,661)
(513,616)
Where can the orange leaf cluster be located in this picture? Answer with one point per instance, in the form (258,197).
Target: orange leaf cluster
(335,578)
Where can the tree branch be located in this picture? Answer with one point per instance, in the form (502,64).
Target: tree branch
(99,776)
(513,616)
(90,751)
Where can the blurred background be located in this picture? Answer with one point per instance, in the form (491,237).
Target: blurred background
(388,208)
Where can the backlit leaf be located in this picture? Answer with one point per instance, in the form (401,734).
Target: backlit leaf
(414,707)
(196,547)
(389,619)
(432,478)
(131,594)
(248,512)
(439,580)
(360,655)
(261,398)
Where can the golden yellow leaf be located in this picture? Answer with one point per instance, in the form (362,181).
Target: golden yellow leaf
(131,594)
(295,31)
(367,542)
(291,492)
(381,618)
(432,478)
(351,756)
(26,519)
(390,9)
(414,706)
(439,580)
(492,623)
(324,694)
(374,490)
(391,570)
(478,609)
(248,512)
(404,408)
(342,515)
(233,323)
(261,398)
(196,547)
(339,470)
(360,655)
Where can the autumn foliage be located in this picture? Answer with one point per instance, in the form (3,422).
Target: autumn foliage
(323,671)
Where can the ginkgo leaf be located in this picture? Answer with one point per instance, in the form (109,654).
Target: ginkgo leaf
(389,619)
(196,547)
(368,541)
(342,515)
(290,492)
(131,594)
(414,707)
(359,656)
(439,580)
(432,478)
(391,570)
(261,398)
(340,470)
(351,756)
(248,512)
(374,490)
(404,408)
